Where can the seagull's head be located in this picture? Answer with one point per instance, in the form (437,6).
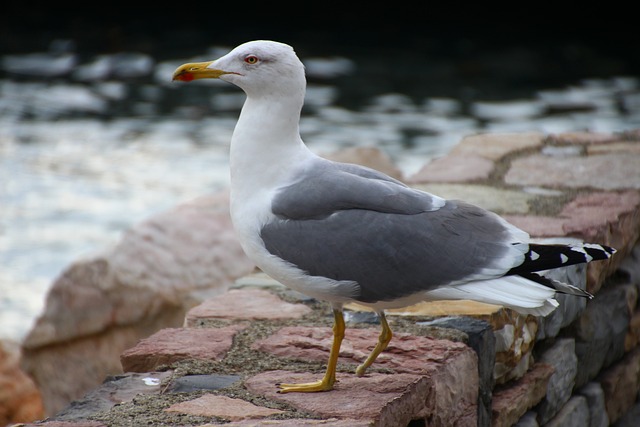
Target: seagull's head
(259,67)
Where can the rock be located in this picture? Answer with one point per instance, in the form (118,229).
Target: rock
(614,147)
(595,401)
(514,334)
(454,169)
(20,400)
(211,405)
(621,384)
(609,171)
(611,218)
(115,390)
(295,422)
(406,353)
(189,383)
(632,339)
(600,332)
(631,266)
(564,361)
(528,420)
(380,399)
(174,344)
(512,400)
(480,338)
(498,200)
(515,338)
(538,225)
(82,423)
(101,306)
(451,368)
(570,305)
(575,413)
(630,419)
(582,138)
(244,304)
(496,146)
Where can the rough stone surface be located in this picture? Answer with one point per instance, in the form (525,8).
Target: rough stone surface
(100,306)
(481,339)
(600,332)
(71,369)
(514,334)
(570,306)
(589,215)
(52,423)
(245,304)
(487,197)
(595,401)
(114,390)
(383,400)
(631,147)
(515,338)
(621,384)
(632,338)
(538,225)
(512,400)
(583,138)
(20,400)
(211,405)
(406,353)
(606,171)
(564,361)
(528,420)
(454,169)
(189,383)
(174,344)
(496,146)
(630,419)
(330,422)
(631,266)
(575,413)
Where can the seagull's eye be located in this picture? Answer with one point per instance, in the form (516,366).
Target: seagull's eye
(251,59)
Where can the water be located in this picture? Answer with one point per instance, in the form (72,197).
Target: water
(101,144)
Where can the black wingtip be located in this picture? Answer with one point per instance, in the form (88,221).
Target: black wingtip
(598,252)
(545,257)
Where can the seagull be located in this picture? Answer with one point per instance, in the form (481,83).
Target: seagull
(345,233)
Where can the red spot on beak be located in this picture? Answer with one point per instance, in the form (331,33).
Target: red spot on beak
(187,77)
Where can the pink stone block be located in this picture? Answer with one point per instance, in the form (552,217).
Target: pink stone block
(211,405)
(245,304)
(174,344)
(454,169)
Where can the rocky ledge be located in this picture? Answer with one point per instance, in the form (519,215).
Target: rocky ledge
(449,363)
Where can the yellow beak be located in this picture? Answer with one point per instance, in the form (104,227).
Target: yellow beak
(197,70)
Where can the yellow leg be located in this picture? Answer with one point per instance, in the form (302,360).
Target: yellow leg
(383,342)
(326,383)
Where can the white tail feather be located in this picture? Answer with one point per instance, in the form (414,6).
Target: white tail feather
(515,292)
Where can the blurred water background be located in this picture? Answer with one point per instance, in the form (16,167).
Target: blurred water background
(94,136)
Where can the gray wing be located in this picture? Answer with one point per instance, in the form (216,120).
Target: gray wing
(329,187)
(390,250)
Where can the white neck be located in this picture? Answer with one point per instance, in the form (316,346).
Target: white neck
(265,145)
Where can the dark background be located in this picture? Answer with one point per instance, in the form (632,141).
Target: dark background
(496,54)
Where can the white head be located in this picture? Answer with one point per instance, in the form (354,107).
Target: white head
(260,68)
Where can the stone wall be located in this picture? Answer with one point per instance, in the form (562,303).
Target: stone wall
(450,363)
(103,304)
